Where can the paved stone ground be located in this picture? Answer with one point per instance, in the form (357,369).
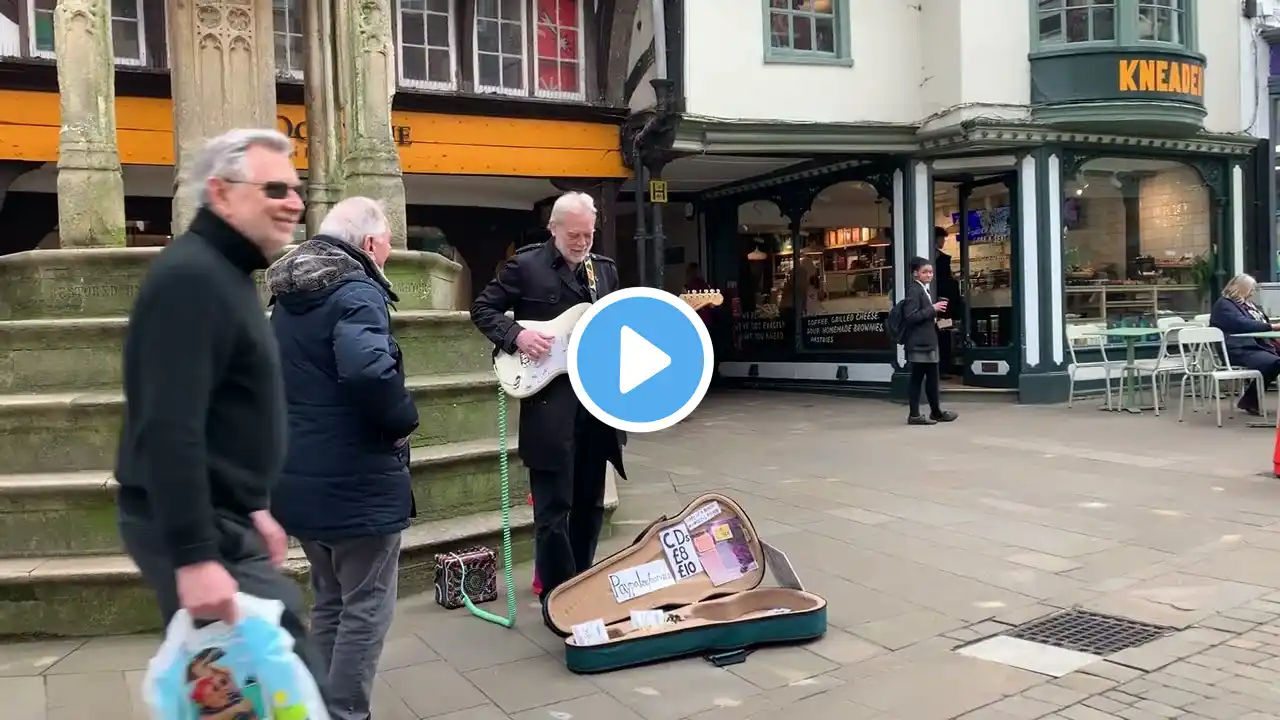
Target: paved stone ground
(920,538)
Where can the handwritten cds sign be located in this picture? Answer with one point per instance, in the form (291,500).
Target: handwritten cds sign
(677,543)
(848,331)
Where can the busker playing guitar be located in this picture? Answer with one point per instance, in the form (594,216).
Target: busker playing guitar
(564,446)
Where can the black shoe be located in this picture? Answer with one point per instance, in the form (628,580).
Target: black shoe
(944,416)
(920,420)
(1248,409)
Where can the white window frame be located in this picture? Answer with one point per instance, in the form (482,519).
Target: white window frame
(527,46)
(141,21)
(414,83)
(291,6)
(581,60)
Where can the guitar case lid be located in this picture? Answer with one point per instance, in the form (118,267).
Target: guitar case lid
(642,577)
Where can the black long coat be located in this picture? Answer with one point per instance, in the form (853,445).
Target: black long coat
(536,284)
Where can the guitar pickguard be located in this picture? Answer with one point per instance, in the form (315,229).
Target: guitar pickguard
(535,373)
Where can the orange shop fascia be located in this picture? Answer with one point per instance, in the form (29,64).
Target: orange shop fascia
(428,143)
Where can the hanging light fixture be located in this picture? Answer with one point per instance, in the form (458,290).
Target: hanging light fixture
(880,239)
(757,254)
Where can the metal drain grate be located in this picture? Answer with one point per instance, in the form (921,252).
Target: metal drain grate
(1088,632)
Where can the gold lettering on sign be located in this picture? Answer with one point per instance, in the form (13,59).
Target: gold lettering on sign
(1162,76)
(297,131)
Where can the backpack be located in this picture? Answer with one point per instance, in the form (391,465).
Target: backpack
(896,323)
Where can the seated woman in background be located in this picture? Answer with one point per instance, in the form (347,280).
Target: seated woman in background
(1235,313)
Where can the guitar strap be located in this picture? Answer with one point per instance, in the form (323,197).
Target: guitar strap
(591,278)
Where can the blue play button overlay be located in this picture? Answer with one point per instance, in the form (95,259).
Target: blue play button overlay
(640,360)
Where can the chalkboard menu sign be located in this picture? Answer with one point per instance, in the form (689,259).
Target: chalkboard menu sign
(763,335)
(771,336)
(848,331)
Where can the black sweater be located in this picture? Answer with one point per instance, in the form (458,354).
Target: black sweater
(204,429)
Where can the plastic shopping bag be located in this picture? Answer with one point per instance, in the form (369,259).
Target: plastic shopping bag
(246,671)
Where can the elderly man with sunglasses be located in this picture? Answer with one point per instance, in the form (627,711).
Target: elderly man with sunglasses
(203,435)
(345,490)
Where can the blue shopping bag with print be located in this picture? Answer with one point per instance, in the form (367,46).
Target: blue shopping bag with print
(245,671)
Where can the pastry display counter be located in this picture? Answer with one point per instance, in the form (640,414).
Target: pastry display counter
(863,280)
(1123,304)
(851,304)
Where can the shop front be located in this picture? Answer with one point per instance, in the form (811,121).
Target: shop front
(1042,230)
(1105,204)
(809,266)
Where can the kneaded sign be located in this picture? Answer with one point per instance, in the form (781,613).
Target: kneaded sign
(677,543)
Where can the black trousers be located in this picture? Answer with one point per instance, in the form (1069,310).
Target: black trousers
(924,376)
(1264,362)
(244,556)
(568,505)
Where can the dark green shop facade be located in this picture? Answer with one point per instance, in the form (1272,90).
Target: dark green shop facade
(1109,206)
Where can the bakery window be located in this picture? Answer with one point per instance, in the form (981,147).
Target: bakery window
(833,282)
(1137,242)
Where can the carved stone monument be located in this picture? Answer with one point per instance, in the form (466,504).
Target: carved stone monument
(64,315)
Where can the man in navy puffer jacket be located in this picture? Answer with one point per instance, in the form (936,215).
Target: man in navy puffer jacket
(345,490)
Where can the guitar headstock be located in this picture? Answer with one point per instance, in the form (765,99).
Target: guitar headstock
(703,298)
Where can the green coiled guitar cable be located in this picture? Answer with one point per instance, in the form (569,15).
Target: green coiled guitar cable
(504,470)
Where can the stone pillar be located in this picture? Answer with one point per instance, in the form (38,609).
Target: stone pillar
(366,56)
(90,185)
(324,182)
(223,74)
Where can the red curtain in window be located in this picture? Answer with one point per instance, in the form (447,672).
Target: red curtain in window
(559,31)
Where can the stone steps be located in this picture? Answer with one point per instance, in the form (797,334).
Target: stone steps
(73,431)
(103,282)
(51,355)
(63,318)
(104,595)
(74,514)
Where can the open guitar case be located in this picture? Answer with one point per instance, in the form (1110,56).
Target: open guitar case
(594,610)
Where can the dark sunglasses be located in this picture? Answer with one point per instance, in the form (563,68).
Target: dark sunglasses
(274,189)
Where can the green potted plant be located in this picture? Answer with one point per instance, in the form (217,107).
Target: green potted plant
(1204,268)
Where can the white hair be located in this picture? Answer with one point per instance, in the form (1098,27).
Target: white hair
(572,203)
(354,219)
(223,156)
(1240,288)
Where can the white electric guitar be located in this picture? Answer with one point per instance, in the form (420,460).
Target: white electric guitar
(522,377)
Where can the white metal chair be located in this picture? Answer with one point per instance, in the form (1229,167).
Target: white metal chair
(1204,358)
(1083,337)
(1167,361)
(1202,319)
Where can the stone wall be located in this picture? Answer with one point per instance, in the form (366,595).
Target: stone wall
(1174,219)
(1174,213)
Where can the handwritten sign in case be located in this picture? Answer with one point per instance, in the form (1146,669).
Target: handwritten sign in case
(640,580)
(677,543)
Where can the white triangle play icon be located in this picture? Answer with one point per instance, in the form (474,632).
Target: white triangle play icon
(639,361)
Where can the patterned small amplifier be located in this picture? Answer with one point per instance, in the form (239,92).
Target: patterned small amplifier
(481,577)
